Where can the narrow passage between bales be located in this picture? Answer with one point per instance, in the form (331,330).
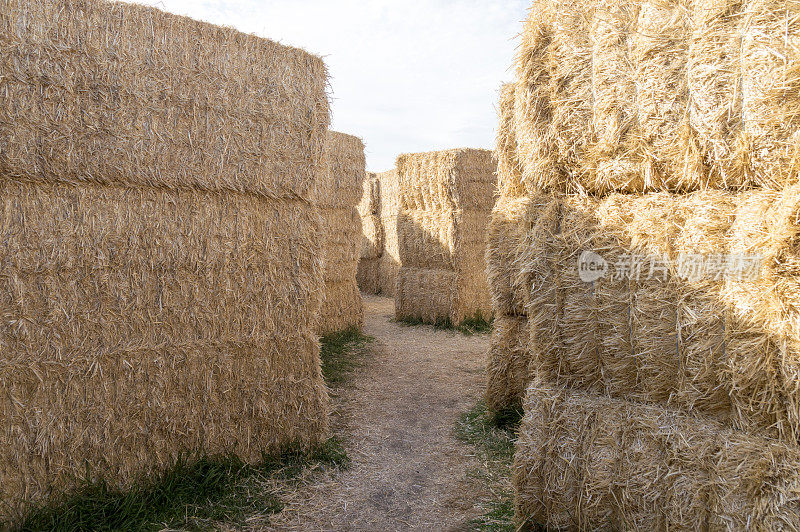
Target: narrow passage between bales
(397,418)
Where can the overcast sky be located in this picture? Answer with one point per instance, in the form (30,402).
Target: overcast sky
(406,76)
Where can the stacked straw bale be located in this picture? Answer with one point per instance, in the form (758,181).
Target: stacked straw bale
(666,95)
(445,200)
(160,257)
(380,255)
(371,236)
(719,345)
(389,263)
(337,194)
(723,348)
(666,130)
(585,461)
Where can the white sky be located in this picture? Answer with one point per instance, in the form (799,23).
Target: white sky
(406,76)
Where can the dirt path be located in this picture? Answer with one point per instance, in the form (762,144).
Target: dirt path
(397,418)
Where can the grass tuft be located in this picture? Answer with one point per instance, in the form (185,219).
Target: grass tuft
(476,324)
(495,451)
(195,494)
(341,353)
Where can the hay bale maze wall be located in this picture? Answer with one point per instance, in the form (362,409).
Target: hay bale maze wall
(389,263)
(668,95)
(155,301)
(585,459)
(371,236)
(445,201)
(338,192)
(659,131)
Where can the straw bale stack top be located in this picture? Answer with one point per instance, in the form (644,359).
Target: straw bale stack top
(124,94)
(461,178)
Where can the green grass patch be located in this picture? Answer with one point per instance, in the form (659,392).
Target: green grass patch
(341,353)
(195,494)
(476,324)
(495,451)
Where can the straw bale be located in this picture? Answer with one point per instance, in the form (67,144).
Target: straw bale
(715,92)
(717,345)
(370,202)
(389,193)
(504,236)
(655,339)
(770,71)
(540,281)
(426,238)
(507,365)
(425,294)
(338,191)
(391,239)
(344,164)
(660,54)
(371,237)
(509,169)
(445,200)
(766,311)
(160,254)
(533,113)
(569,63)
(387,274)
(342,235)
(653,95)
(367,276)
(579,361)
(232,282)
(462,178)
(442,239)
(613,162)
(390,259)
(593,462)
(437,295)
(342,308)
(124,94)
(369,211)
(523,283)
